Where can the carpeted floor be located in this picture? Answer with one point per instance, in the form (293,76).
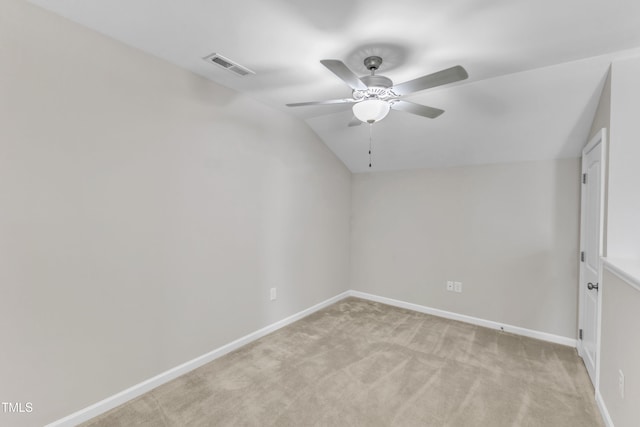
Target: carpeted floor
(360,363)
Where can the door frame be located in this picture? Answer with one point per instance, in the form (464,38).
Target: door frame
(599,138)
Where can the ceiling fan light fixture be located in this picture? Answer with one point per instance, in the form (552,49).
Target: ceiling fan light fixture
(371,110)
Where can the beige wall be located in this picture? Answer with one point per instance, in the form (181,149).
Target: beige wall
(620,350)
(508,232)
(145,213)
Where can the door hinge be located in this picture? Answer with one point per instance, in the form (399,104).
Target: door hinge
(582,256)
(584,178)
(580,333)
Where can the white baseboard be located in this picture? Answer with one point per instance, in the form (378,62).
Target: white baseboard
(544,336)
(148,385)
(603,410)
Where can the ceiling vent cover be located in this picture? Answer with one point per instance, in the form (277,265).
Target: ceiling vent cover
(227,64)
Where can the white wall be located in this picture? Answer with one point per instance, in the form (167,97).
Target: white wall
(508,232)
(144,215)
(624,178)
(619,348)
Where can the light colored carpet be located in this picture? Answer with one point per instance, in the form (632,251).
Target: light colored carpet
(360,363)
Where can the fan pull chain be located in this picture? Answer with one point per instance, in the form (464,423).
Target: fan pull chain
(370,138)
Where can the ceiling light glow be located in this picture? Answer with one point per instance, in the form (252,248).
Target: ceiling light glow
(371,110)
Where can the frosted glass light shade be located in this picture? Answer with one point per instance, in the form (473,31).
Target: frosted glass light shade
(371,110)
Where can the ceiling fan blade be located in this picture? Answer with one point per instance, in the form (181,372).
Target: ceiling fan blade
(354,122)
(421,110)
(439,78)
(338,68)
(327,102)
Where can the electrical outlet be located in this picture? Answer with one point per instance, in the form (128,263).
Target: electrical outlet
(273,294)
(449,285)
(621,383)
(457,286)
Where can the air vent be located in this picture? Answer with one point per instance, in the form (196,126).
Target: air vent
(228,64)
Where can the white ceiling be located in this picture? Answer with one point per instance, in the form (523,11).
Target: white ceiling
(531,92)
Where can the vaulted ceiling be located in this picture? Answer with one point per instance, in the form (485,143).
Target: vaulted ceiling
(535,68)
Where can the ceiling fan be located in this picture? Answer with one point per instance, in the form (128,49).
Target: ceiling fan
(374,95)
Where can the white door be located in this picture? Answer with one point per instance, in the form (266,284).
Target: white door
(591,230)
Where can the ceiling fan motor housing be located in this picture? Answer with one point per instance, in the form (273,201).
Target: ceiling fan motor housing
(377,81)
(372,62)
(378,87)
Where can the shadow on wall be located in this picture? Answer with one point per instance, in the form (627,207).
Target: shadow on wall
(579,134)
(566,216)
